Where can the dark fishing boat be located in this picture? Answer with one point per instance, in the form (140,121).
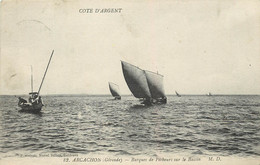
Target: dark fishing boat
(34,103)
(145,85)
(114,89)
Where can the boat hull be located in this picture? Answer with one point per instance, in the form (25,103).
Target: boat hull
(151,101)
(33,108)
(117,97)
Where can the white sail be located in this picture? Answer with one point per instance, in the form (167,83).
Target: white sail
(136,80)
(114,89)
(155,83)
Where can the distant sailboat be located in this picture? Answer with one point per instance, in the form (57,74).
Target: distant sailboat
(114,89)
(146,85)
(209,94)
(34,103)
(177,94)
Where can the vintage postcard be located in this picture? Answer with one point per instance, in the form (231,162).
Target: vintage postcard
(129,82)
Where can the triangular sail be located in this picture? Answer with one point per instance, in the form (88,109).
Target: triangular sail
(155,83)
(136,80)
(114,89)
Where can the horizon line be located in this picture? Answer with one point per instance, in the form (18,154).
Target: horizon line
(84,94)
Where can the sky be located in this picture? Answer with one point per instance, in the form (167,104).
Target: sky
(199,46)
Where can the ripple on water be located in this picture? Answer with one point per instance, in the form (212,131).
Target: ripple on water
(199,125)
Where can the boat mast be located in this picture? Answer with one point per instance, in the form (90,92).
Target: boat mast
(45,73)
(31,78)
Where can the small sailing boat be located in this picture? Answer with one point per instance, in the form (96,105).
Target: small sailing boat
(209,94)
(145,85)
(35,103)
(177,94)
(114,89)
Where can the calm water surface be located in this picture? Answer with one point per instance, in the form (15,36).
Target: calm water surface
(195,125)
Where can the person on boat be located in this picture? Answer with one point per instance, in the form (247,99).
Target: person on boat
(35,99)
(21,100)
(164,99)
(35,96)
(30,99)
(40,100)
(147,101)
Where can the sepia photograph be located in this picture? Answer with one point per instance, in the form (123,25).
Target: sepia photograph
(129,82)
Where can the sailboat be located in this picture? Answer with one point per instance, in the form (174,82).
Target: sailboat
(177,94)
(145,85)
(35,102)
(209,94)
(114,89)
